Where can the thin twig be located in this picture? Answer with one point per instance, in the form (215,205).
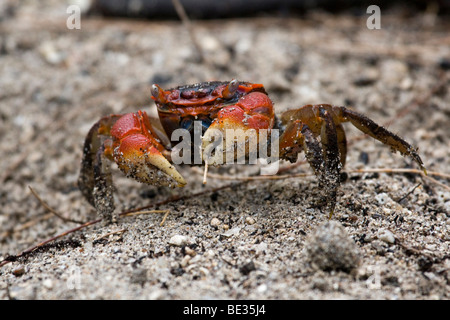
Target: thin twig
(166,213)
(164,218)
(436,182)
(135,213)
(385,170)
(111,233)
(410,192)
(56,213)
(31,249)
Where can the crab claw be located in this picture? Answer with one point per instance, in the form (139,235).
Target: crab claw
(137,155)
(234,133)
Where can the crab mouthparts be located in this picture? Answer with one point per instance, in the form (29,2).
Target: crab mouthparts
(188,123)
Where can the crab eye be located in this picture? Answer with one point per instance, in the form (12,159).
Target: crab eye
(230,89)
(155,91)
(158,93)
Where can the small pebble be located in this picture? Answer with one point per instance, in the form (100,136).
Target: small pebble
(50,54)
(386,236)
(178,240)
(406,84)
(250,220)
(261,247)
(190,251)
(261,288)
(379,247)
(444,64)
(320,284)
(139,276)
(367,78)
(48,283)
(231,232)
(185,261)
(19,271)
(215,222)
(203,271)
(382,198)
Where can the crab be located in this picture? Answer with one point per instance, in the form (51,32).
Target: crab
(141,147)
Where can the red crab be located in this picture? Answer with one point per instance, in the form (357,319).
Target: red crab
(141,148)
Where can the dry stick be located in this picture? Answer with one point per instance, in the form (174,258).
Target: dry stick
(46,206)
(388,170)
(111,233)
(244,180)
(166,213)
(408,193)
(187,23)
(29,250)
(435,181)
(164,218)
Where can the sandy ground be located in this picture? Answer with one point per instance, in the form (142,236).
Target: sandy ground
(389,237)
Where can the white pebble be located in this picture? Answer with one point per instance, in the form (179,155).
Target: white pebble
(261,288)
(178,240)
(47,283)
(386,236)
(231,232)
(185,261)
(250,220)
(382,198)
(215,222)
(261,247)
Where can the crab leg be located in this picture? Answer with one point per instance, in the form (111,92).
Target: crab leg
(342,143)
(326,121)
(325,159)
(95,180)
(298,137)
(329,139)
(369,127)
(309,114)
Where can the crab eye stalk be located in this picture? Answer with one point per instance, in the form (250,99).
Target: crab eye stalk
(158,94)
(230,89)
